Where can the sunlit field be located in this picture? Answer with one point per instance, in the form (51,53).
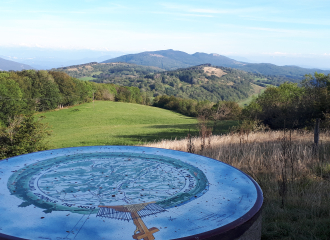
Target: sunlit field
(114,123)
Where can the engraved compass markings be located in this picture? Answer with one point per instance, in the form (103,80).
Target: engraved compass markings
(116,185)
(97,181)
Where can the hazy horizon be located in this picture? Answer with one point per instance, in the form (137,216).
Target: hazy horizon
(44,58)
(282,32)
(225,27)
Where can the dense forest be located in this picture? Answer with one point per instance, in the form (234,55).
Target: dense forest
(107,70)
(203,82)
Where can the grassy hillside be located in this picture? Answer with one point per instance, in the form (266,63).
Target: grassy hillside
(256,90)
(117,123)
(114,123)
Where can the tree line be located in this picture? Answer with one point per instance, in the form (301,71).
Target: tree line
(290,105)
(29,90)
(25,92)
(193,108)
(293,105)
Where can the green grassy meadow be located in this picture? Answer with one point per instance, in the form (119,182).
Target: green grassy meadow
(114,123)
(86,78)
(117,123)
(256,91)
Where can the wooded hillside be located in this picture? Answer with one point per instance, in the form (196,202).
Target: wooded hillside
(203,82)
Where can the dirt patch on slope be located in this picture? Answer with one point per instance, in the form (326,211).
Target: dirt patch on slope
(214,71)
(72,69)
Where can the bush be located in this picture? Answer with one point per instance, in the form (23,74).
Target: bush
(22,135)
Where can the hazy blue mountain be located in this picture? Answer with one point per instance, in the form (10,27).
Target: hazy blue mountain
(43,58)
(171,60)
(293,72)
(304,61)
(6,65)
(151,59)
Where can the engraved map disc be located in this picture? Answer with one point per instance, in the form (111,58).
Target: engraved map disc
(119,192)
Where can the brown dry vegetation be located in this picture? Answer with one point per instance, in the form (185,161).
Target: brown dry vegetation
(293,174)
(72,69)
(257,89)
(214,71)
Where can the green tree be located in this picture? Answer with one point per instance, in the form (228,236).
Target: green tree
(23,134)
(45,91)
(11,102)
(291,105)
(67,87)
(317,89)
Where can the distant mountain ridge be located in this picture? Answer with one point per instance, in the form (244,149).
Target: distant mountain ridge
(7,65)
(171,60)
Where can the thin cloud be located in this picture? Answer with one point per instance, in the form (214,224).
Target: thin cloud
(290,20)
(184,14)
(200,10)
(41,11)
(173,6)
(278,30)
(187,8)
(225,11)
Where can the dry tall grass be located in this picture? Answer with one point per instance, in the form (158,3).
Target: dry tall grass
(293,174)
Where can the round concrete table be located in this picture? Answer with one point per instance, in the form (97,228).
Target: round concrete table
(124,192)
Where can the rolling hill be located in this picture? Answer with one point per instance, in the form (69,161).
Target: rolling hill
(170,60)
(121,70)
(7,65)
(202,82)
(115,123)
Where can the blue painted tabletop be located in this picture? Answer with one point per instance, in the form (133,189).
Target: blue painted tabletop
(122,192)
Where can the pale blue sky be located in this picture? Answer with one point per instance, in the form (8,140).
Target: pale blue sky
(236,27)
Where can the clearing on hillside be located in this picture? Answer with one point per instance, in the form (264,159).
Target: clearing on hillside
(214,71)
(115,123)
(118,123)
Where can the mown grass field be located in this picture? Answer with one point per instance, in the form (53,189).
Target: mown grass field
(116,123)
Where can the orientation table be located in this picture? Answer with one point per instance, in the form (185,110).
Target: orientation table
(124,192)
